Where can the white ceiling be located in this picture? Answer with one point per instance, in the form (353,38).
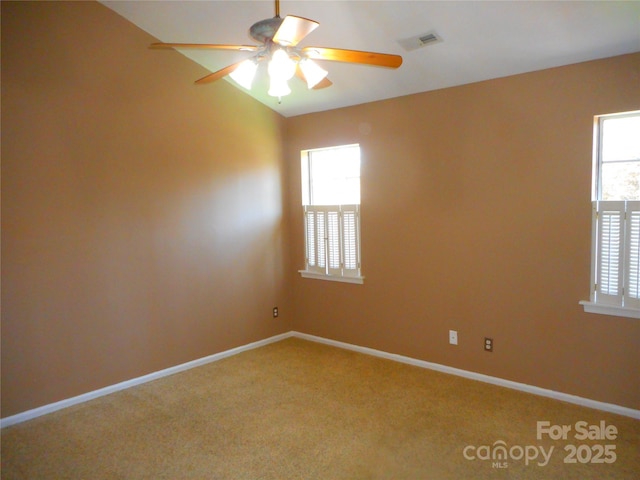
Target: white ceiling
(480,40)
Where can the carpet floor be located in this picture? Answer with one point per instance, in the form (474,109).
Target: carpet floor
(301,410)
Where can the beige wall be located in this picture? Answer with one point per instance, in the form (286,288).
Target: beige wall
(142,221)
(476,217)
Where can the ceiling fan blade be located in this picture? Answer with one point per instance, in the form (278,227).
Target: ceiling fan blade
(212,77)
(324,83)
(293,29)
(212,46)
(353,56)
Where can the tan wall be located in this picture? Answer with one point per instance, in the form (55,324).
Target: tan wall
(143,224)
(476,217)
(142,221)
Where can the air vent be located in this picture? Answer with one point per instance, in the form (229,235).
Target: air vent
(428,38)
(419,41)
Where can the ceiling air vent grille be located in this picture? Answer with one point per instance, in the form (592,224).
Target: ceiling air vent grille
(419,41)
(428,38)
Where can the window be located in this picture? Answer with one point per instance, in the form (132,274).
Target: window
(331,208)
(615,263)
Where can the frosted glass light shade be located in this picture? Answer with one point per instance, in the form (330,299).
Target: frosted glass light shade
(245,73)
(313,73)
(278,87)
(281,66)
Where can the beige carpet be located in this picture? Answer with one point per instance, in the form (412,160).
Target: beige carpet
(300,410)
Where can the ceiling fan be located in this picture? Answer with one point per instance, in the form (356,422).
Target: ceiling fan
(278,40)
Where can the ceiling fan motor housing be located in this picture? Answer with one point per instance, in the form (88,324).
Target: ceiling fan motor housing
(264,30)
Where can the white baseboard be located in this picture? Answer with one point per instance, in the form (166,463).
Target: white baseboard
(52,407)
(543,392)
(565,397)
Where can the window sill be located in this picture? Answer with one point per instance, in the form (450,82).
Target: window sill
(331,278)
(591,307)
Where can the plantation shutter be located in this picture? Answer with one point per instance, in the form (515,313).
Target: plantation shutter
(609,241)
(311,227)
(617,264)
(316,227)
(321,246)
(332,239)
(351,236)
(632,260)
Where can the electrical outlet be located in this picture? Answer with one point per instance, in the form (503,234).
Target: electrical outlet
(275,312)
(453,337)
(488,344)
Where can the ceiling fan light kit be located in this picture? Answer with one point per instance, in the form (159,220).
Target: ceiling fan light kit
(281,67)
(312,72)
(278,87)
(245,73)
(279,39)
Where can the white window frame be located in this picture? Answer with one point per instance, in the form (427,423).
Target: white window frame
(332,236)
(615,245)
